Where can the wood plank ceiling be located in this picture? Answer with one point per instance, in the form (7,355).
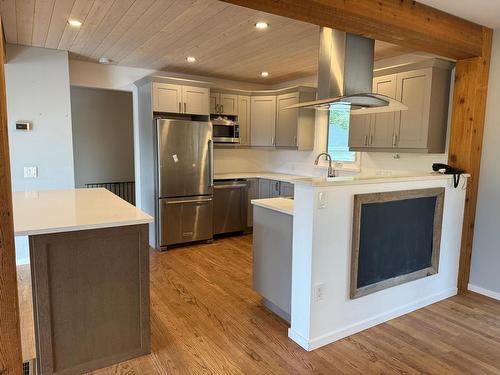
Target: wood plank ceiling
(160,34)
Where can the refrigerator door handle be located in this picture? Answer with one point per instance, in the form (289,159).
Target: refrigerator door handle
(210,163)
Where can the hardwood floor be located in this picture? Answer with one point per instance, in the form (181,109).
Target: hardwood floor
(206,319)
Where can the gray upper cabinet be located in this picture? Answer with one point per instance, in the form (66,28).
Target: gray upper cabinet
(359,131)
(375,130)
(196,100)
(167,97)
(414,89)
(295,127)
(224,104)
(382,124)
(263,120)
(421,128)
(286,120)
(180,99)
(244,119)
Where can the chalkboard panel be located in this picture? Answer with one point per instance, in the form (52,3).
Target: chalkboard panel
(396,238)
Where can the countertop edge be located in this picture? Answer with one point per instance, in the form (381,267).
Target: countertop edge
(266,203)
(342,181)
(76,228)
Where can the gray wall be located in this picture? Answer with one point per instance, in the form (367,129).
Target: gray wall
(485,273)
(103,139)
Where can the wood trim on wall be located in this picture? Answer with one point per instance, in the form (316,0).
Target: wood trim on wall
(10,342)
(466,140)
(417,26)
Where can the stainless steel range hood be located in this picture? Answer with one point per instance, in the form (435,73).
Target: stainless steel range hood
(345,75)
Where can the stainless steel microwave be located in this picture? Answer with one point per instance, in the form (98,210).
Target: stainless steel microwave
(225,130)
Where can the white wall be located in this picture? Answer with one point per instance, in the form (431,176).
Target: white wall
(485,277)
(37,84)
(322,256)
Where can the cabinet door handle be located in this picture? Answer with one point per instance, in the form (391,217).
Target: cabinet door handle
(185,108)
(221,108)
(366,140)
(272,141)
(180,109)
(394,140)
(216,108)
(371,139)
(295,140)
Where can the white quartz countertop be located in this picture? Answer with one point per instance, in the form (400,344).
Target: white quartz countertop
(268,175)
(374,179)
(283,205)
(54,211)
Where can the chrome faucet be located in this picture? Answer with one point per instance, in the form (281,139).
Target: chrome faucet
(331,170)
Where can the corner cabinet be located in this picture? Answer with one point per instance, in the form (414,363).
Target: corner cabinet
(263,120)
(171,98)
(421,128)
(295,127)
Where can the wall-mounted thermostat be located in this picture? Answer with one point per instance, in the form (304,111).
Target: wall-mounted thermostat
(24,125)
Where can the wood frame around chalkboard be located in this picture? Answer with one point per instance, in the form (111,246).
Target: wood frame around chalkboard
(361,199)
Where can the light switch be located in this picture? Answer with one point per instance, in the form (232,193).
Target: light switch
(322,202)
(30,172)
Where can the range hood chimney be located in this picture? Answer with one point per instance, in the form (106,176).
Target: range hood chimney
(345,75)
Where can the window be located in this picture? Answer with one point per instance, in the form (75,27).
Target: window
(338,133)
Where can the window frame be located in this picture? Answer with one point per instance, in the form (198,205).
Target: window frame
(354,166)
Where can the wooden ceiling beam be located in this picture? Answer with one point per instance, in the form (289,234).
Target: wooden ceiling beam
(402,22)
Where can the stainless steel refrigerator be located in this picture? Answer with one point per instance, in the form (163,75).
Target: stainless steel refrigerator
(184,188)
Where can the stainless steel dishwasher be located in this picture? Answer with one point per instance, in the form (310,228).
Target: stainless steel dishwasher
(230,206)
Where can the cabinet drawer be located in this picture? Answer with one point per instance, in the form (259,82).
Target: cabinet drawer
(185,220)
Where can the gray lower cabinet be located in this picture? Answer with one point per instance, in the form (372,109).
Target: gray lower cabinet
(264,188)
(91,298)
(253,193)
(272,259)
(286,189)
(275,188)
(261,188)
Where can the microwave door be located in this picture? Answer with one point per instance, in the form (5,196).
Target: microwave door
(184,158)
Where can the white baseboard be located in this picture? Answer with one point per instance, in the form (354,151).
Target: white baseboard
(368,323)
(22,261)
(484,292)
(299,339)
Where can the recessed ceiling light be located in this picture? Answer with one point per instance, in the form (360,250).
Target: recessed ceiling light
(105,60)
(261,25)
(74,23)
(264,74)
(190,59)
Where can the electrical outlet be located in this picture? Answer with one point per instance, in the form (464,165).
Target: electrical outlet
(30,172)
(322,202)
(319,292)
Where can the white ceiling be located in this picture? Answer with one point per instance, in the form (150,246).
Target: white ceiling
(483,12)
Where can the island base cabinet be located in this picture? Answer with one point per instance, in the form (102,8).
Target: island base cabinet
(272,259)
(91,298)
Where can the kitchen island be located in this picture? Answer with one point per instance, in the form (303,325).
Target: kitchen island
(89,258)
(364,249)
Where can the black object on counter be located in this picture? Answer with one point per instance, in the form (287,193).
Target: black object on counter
(446,169)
